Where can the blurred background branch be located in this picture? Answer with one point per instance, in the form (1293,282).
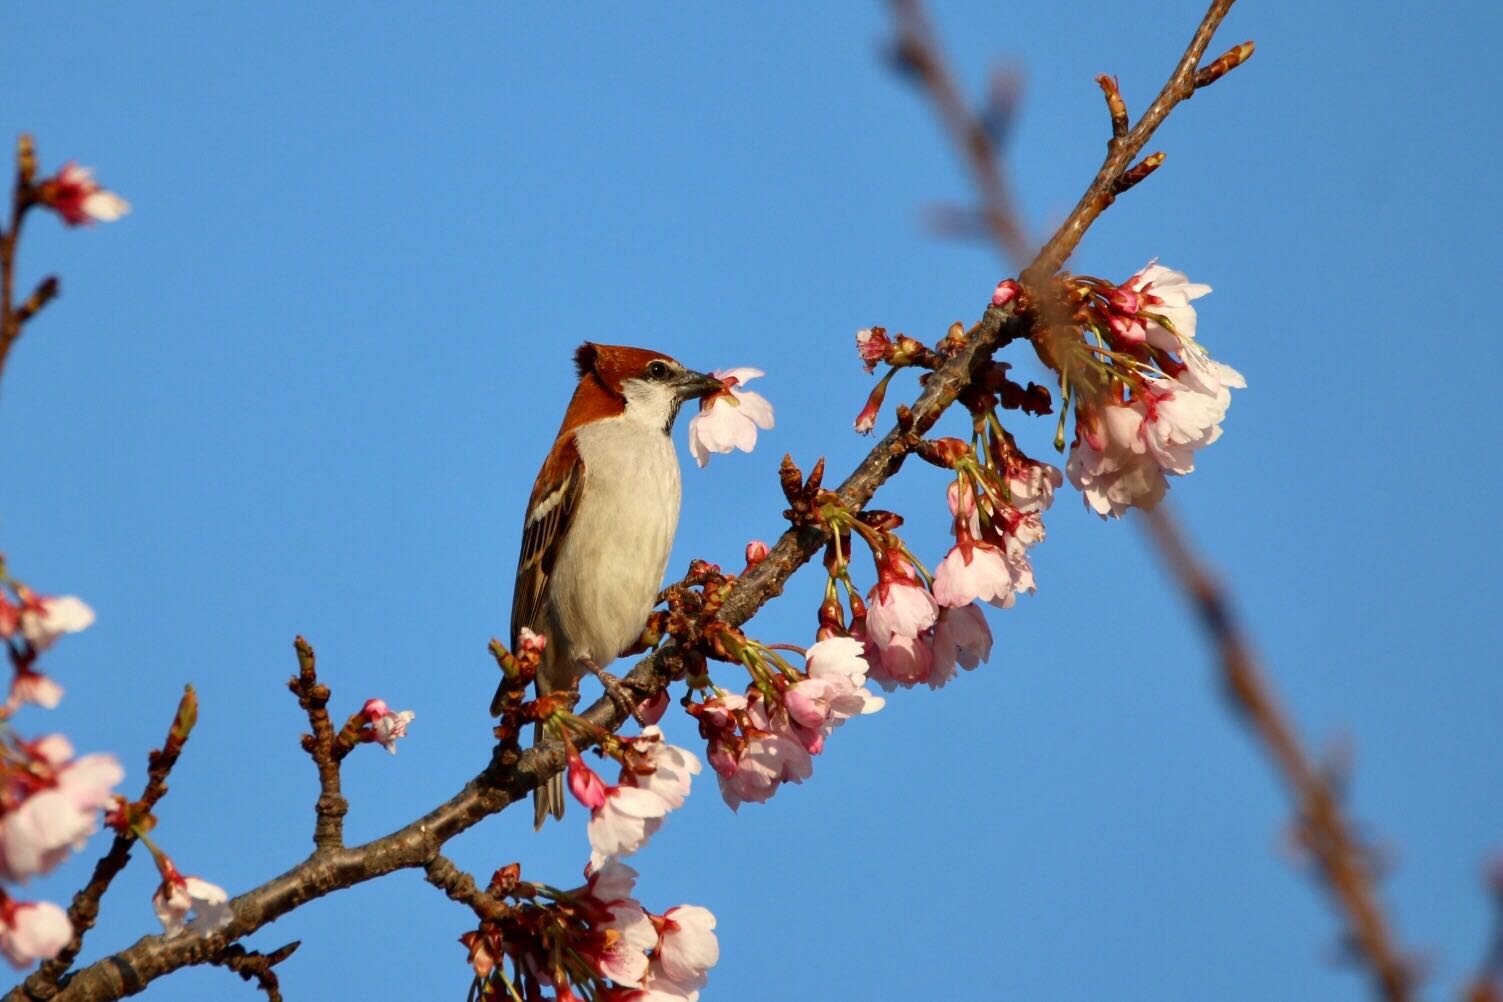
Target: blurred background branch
(1342,861)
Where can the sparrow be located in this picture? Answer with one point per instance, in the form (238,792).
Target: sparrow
(600,521)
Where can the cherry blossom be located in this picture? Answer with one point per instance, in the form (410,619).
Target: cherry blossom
(686,946)
(1162,295)
(1110,475)
(32,931)
(873,344)
(898,605)
(617,948)
(975,570)
(38,834)
(75,196)
(43,619)
(33,687)
(1031,485)
(386,725)
(627,816)
(728,419)
(663,769)
(961,637)
(178,895)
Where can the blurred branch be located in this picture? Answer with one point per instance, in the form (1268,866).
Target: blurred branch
(13,318)
(1339,854)
(1487,983)
(1326,833)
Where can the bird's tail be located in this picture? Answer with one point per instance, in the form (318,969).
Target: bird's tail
(548,798)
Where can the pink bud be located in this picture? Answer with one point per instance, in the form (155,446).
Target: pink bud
(652,708)
(1007,290)
(587,787)
(756,552)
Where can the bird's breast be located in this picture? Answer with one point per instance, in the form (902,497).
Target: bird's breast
(611,563)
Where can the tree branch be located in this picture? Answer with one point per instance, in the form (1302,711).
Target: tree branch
(313,697)
(511,774)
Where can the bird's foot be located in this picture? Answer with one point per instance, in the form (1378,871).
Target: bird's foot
(613,687)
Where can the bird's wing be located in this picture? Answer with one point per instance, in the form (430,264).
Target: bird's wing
(555,497)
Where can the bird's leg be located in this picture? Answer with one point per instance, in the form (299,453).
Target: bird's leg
(613,687)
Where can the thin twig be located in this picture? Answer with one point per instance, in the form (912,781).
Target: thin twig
(252,966)
(313,697)
(22,198)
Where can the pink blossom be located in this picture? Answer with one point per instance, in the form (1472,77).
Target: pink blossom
(687,947)
(45,618)
(32,931)
(873,344)
(960,637)
(178,895)
(898,606)
(386,725)
(1165,296)
(37,836)
(613,881)
(756,552)
(1006,291)
(905,661)
(1032,485)
(29,686)
(975,570)
(729,418)
(618,948)
(78,198)
(672,768)
(769,757)
(1108,472)
(626,818)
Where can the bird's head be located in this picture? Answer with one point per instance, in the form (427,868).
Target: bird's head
(644,386)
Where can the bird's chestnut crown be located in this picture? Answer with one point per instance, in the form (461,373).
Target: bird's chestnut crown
(651,386)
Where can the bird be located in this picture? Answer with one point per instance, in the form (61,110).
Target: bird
(600,521)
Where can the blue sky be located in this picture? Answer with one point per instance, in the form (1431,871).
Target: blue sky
(304,387)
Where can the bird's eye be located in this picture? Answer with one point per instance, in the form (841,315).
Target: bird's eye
(657,370)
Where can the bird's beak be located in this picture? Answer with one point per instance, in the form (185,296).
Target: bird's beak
(694,385)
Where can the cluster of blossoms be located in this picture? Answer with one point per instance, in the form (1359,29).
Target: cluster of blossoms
(729,418)
(769,735)
(595,941)
(50,799)
(1162,397)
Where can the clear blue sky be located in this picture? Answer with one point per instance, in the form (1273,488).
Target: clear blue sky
(304,387)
